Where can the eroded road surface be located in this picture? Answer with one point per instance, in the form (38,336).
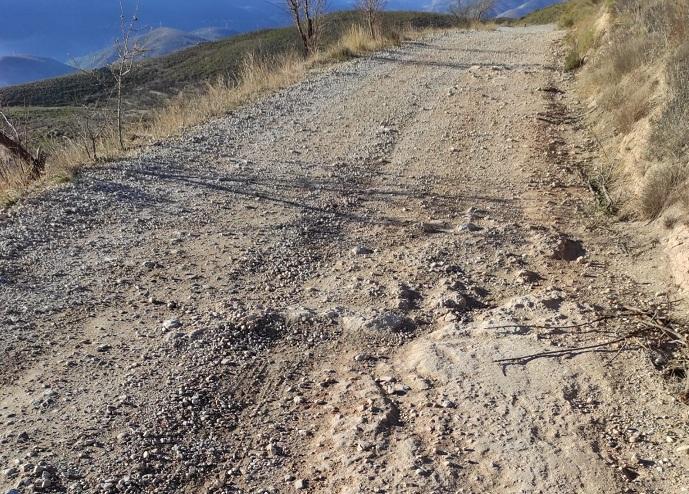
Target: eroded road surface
(311,294)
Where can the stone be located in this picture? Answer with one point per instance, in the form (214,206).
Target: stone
(9,472)
(361,250)
(300,484)
(684,449)
(389,321)
(298,315)
(451,300)
(172,324)
(526,277)
(274,450)
(469,227)
(150,264)
(196,334)
(432,227)
(447,404)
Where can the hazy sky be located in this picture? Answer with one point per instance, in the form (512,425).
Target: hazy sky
(66,28)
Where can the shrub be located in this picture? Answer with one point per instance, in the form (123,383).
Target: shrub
(661,188)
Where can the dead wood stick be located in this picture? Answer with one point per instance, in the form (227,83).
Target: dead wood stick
(15,147)
(571,326)
(558,353)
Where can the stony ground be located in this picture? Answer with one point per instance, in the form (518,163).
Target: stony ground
(311,294)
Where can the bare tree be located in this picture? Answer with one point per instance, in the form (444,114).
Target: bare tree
(371,10)
(127,54)
(307,16)
(18,150)
(471,10)
(92,123)
(482,8)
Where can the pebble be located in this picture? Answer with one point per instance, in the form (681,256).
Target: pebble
(361,250)
(469,227)
(172,324)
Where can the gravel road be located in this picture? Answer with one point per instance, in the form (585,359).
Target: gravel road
(311,293)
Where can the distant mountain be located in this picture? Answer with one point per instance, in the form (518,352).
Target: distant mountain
(503,8)
(214,33)
(21,69)
(515,9)
(156,43)
(64,29)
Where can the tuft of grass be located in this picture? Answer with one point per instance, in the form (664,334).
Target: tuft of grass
(356,42)
(573,60)
(664,185)
(578,16)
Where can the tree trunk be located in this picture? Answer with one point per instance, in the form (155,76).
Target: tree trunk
(119,112)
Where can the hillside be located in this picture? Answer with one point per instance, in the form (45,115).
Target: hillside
(191,67)
(23,69)
(214,33)
(155,43)
(510,9)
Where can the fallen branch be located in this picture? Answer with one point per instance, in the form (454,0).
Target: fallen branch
(570,326)
(36,163)
(649,322)
(559,353)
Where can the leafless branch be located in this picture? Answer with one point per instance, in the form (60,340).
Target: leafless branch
(371,10)
(471,10)
(307,16)
(127,54)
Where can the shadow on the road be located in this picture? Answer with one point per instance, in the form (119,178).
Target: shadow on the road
(465,66)
(290,191)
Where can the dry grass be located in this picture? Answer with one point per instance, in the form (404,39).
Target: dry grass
(671,132)
(579,17)
(640,79)
(664,185)
(257,76)
(356,42)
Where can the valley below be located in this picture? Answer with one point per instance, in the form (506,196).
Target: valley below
(388,278)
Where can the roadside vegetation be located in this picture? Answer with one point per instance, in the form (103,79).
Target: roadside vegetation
(72,120)
(579,17)
(633,57)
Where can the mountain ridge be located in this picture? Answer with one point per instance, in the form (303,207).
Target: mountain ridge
(20,69)
(156,43)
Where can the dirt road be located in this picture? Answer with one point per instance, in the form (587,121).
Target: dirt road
(311,294)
